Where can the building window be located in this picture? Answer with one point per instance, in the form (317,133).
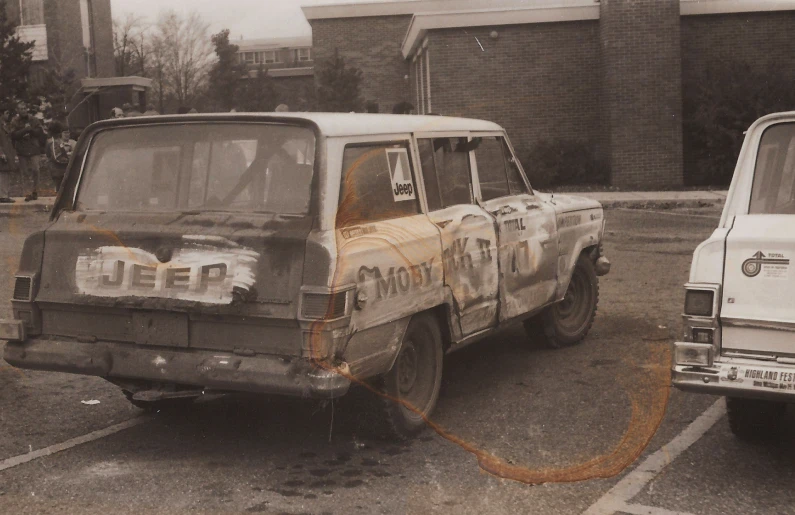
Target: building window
(268,57)
(303,54)
(31,12)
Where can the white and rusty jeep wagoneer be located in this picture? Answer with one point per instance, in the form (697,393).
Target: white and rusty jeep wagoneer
(293,254)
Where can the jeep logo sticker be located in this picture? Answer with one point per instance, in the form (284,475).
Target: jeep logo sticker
(200,273)
(400,173)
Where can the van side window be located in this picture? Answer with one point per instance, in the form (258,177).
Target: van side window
(449,171)
(491,169)
(773,191)
(377,184)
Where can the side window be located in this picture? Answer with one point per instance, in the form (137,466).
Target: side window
(515,181)
(377,184)
(450,172)
(491,169)
(773,190)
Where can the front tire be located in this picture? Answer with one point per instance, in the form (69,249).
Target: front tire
(754,420)
(412,385)
(567,322)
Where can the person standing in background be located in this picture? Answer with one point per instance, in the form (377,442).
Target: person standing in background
(7,156)
(59,150)
(29,140)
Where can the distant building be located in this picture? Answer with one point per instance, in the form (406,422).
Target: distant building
(288,61)
(284,57)
(68,34)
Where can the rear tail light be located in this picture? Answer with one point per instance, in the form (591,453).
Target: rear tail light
(23,288)
(702,335)
(324,305)
(699,303)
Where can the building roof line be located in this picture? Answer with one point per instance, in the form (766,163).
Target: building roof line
(421,23)
(409,7)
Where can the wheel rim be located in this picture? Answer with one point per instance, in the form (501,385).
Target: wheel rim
(572,312)
(407,368)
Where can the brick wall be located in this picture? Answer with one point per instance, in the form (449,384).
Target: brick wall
(761,40)
(641,92)
(538,81)
(103,39)
(372,44)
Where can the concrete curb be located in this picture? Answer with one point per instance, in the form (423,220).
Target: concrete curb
(608,199)
(20,207)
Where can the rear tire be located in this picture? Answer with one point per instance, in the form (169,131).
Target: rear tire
(412,385)
(567,322)
(754,420)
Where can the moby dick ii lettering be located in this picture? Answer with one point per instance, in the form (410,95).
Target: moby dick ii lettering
(397,280)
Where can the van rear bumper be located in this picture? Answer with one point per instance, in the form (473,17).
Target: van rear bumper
(205,368)
(744,378)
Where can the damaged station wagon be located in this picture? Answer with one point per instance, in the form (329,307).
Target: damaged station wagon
(739,319)
(296,254)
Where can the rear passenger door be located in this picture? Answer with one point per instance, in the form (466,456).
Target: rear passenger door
(467,231)
(526,231)
(385,244)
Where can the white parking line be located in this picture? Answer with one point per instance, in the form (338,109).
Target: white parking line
(616,498)
(52,449)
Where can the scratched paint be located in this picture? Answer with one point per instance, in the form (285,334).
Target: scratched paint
(196,273)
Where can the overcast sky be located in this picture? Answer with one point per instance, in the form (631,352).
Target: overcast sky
(251,19)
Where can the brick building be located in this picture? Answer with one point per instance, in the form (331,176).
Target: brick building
(69,35)
(612,74)
(288,61)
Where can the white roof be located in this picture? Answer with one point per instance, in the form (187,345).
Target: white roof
(339,124)
(361,124)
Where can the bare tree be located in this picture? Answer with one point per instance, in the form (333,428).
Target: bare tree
(187,54)
(128,41)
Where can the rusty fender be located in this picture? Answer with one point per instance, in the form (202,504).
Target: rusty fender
(373,351)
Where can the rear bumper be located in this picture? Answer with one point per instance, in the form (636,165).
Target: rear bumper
(212,369)
(735,378)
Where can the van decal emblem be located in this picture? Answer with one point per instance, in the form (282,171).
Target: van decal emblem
(775,265)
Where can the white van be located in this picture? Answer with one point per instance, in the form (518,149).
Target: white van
(739,320)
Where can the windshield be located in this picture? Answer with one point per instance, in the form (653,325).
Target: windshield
(773,191)
(203,166)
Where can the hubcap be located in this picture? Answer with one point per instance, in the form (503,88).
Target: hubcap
(407,368)
(572,311)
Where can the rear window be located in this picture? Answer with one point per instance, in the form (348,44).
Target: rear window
(205,167)
(773,191)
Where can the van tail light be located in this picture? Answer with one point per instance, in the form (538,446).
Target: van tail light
(699,303)
(23,288)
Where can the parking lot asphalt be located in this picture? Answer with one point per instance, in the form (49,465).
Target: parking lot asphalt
(554,418)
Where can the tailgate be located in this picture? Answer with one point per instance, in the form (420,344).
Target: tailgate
(758,305)
(206,281)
